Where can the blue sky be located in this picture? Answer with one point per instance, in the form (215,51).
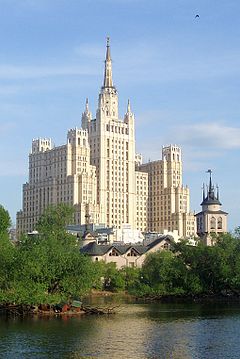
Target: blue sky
(181,73)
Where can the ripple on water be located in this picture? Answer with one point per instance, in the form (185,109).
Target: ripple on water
(137,331)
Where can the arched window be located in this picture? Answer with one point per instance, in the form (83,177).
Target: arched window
(219,222)
(84,142)
(213,223)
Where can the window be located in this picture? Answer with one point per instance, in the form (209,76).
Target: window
(166,246)
(213,223)
(219,223)
(132,253)
(113,253)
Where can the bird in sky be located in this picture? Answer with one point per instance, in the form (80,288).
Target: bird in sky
(197,16)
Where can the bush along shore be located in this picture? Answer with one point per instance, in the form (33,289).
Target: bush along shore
(47,270)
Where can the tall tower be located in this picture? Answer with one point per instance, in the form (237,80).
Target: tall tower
(112,142)
(211,219)
(94,170)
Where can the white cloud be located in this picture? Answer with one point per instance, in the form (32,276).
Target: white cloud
(209,135)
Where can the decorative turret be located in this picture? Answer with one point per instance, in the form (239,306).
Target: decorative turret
(128,115)
(211,219)
(210,198)
(86,116)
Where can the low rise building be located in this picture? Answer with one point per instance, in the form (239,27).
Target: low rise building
(132,255)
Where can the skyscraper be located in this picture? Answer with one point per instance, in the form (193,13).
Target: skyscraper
(94,171)
(99,173)
(112,143)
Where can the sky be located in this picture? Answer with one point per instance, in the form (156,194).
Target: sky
(181,74)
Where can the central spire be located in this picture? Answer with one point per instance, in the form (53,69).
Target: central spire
(108,82)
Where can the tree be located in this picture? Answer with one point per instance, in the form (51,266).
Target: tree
(163,273)
(5,221)
(49,267)
(55,218)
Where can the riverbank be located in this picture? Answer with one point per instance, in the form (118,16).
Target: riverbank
(118,297)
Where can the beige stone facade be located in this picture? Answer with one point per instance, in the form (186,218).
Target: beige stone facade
(59,175)
(141,205)
(94,171)
(99,172)
(169,200)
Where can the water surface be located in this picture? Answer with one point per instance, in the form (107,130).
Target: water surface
(151,331)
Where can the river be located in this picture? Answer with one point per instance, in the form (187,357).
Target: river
(167,331)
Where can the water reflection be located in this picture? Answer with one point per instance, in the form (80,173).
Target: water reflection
(139,331)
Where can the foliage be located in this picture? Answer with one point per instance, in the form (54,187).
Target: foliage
(48,268)
(114,279)
(55,218)
(5,221)
(163,273)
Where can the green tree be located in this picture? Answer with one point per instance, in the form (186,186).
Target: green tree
(114,279)
(55,218)
(5,221)
(163,273)
(49,267)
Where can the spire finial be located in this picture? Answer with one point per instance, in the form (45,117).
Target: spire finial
(210,179)
(217,192)
(128,107)
(211,187)
(108,82)
(87,106)
(86,116)
(203,193)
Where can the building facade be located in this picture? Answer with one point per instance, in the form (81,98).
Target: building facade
(99,173)
(112,143)
(59,175)
(211,219)
(125,255)
(168,200)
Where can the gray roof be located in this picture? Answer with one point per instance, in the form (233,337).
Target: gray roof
(94,249)
(211,212)
(209,201)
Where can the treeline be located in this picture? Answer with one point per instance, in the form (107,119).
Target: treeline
(48,268)
(184,271)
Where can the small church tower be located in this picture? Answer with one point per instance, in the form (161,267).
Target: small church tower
(211,219)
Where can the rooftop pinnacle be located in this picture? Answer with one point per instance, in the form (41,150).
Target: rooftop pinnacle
(108,82)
